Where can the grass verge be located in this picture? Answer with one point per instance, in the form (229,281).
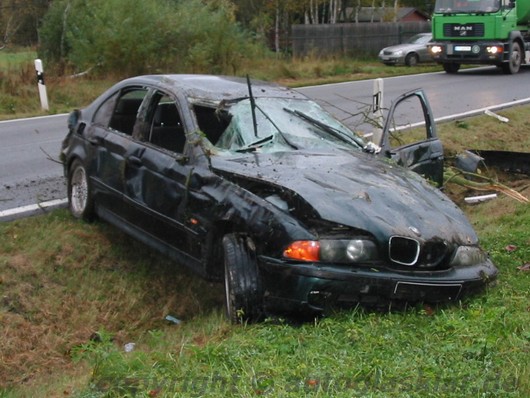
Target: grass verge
(74,294)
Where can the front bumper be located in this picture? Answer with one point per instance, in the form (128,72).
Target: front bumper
(469,53)
(392,59)
(315,288)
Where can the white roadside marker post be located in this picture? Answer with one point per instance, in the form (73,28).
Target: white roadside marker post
(377,111)
(42,87)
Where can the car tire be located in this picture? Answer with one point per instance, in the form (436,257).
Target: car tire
(243,294)
(451,68)
(412,59)
(514,64)
(80,201)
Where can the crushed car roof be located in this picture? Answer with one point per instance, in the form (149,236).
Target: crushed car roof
(215,87)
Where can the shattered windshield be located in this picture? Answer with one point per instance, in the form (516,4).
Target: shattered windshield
(279,124)
(467,6)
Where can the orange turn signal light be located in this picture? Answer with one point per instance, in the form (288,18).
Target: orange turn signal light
(305,250)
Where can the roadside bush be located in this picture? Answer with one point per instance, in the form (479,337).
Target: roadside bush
(129,38)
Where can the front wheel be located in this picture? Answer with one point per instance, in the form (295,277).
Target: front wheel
(451,68)
(243,293)
(412,59)
(514,64)
(80,199)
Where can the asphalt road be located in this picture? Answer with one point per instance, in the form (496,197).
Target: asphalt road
(29,148)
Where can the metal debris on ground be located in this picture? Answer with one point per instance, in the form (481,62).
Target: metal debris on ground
(498,117)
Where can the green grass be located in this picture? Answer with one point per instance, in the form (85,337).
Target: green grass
(13,60)
(96,290)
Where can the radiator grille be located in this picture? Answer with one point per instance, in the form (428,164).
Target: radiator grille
(408,251)
(464,30)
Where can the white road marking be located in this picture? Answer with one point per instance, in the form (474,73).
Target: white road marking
(28,210)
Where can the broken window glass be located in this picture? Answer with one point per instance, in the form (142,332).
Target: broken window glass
(283,125)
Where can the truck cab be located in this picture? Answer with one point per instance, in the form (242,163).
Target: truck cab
(488,32)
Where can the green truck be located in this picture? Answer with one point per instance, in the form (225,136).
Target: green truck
(488,32)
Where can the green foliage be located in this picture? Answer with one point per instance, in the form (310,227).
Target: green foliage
(130,38)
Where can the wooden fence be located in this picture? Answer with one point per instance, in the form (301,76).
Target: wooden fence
(351,39)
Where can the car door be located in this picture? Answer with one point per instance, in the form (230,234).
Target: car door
(412,140)
(110,139)
(158,181)
(423,51)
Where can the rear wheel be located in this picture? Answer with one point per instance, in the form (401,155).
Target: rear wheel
(412,59)
(242,284)
(451,68)
(514,64)
(80,199)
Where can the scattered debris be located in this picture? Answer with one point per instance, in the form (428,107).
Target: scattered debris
(172,319)
(509,161)
(129,347)
(498,117)
(460,177)
(511,248)
(468,161)
(481,198)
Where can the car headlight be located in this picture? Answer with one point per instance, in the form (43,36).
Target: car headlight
(435,49)
(398,53)
(468,255)
(343,251)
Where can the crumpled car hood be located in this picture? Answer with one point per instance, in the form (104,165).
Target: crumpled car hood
(359,190)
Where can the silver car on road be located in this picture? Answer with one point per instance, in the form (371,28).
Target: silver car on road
(409,53)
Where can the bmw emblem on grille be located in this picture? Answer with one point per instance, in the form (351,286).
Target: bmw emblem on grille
(415,230)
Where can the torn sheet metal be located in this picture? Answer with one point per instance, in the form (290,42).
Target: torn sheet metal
(512,162)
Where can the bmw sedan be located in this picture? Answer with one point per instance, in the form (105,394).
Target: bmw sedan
(255,185)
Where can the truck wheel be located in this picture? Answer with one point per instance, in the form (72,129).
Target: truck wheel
(242,284)
(80,199)
(451,68)
(512,66)
(411,59)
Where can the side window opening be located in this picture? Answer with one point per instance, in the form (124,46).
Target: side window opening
(166,129)
(126,110)
(105,111)
(211,122)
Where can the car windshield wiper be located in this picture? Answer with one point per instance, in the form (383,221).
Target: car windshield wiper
(326,128)
(256,144)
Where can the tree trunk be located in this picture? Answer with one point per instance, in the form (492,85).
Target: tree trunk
(277,29)
(63,33)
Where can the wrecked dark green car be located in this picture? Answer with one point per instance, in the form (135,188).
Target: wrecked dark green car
(255,184)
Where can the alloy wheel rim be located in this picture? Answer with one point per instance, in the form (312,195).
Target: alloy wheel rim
(79,191)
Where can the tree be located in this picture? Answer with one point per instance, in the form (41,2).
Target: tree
(150,36)
(19,21)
